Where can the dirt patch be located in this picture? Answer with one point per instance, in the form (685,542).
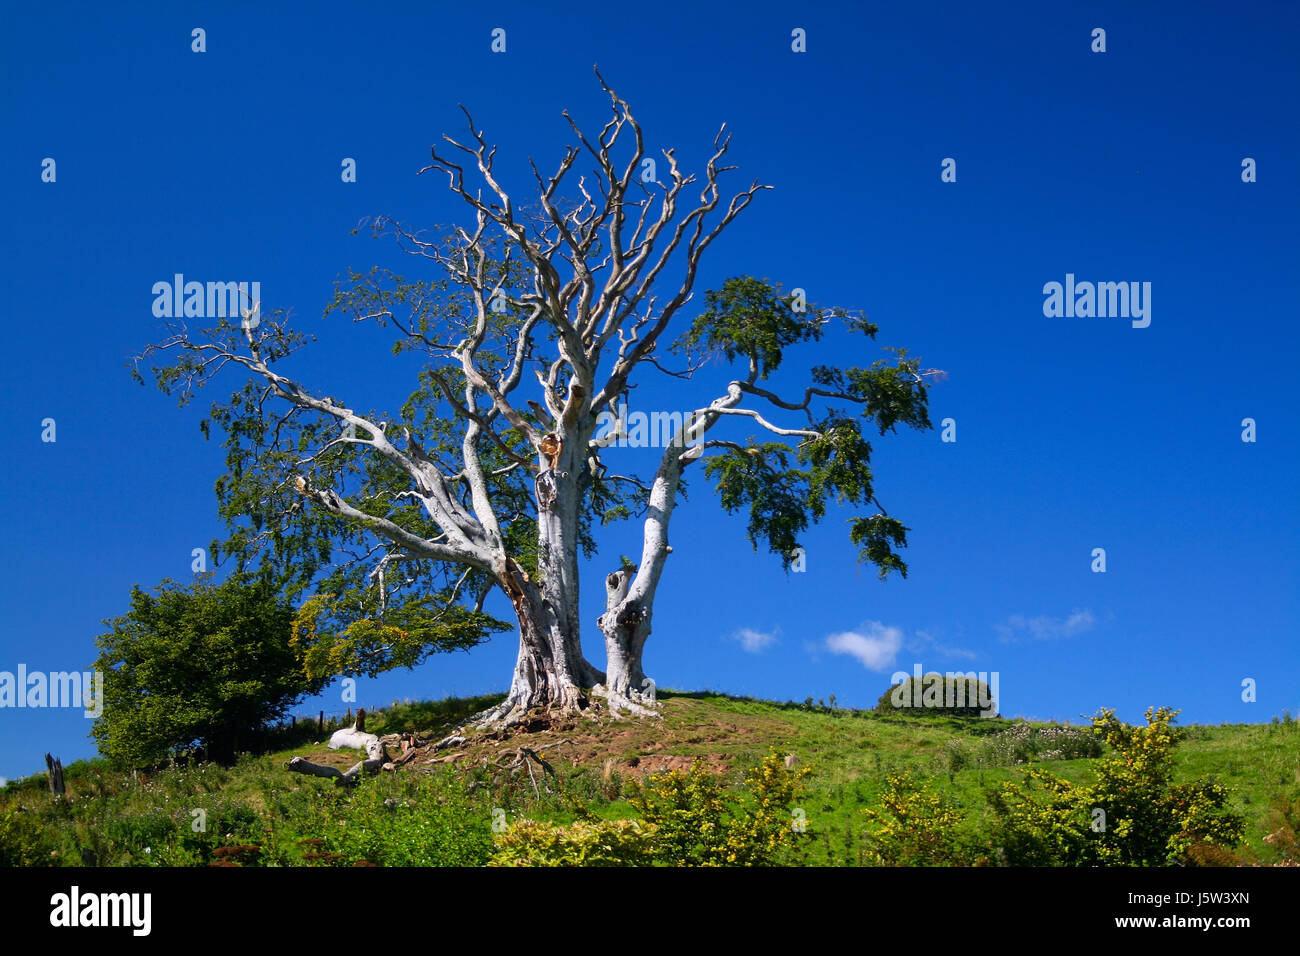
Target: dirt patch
(686,731)
(664,763)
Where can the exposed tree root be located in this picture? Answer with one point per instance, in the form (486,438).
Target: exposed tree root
(519,711)
(633,703)
(500,722)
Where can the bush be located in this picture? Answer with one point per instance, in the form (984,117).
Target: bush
(23,841)
(134,833)
(1132,816)
(603,843)
(210,665)
(688,820)
(916,827)
(694,826)
(953,696)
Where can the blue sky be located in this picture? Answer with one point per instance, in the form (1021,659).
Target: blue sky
(1072,433)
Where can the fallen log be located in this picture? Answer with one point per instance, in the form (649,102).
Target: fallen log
(351,738)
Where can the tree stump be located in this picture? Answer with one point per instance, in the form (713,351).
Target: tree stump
(54,771)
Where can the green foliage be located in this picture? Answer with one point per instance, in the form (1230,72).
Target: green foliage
(23,840)
(599,843)
(688,818)
(890,394)
(429,824)
(695,826)
(1022,743)
(1148,820)
(402,635)
(208,665)
(1284,824)
(913,826)
(876,537)
(259,815)
(786,487)
(937,695)
(749,318)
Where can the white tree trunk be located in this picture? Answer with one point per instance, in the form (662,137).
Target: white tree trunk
(551,673)
(626,625)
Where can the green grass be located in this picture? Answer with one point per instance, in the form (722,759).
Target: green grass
(444,814)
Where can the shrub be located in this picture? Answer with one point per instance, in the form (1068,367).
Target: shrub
(1144,819)
(603,843)
(23,841)
(134,833)
(957,755)
(1048,827)
(953,696)
(913,826)
(209,665)
(694,826)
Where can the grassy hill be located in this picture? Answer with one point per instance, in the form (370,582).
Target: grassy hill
(440,807)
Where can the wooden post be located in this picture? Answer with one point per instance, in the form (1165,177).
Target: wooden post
(320,723)
(361,720)
(54,770)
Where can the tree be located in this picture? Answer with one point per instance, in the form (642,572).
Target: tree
(490,489)
(943,695)
(208,665)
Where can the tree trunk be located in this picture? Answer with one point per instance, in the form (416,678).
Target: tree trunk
(548,675)
(626,625)
(630,591)
(551,673)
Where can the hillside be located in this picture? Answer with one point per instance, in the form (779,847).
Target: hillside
(440,806)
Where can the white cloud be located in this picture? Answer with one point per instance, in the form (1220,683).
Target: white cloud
(874,645)
(926,642)
(1042,628)
(754,642)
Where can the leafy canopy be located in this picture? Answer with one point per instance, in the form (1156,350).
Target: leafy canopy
(785,488)
(203,665)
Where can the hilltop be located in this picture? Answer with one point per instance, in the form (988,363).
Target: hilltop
(440,806)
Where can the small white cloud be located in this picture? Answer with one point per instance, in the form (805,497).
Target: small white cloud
(874,645)
(1042,628)
(926,643)
(752,641)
